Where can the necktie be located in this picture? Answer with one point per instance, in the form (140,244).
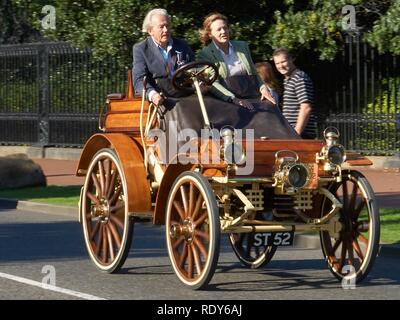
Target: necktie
(170,70)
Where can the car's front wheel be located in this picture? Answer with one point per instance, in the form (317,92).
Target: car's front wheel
(355,248)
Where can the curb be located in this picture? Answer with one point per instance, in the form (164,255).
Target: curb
(301,241)
(389,250)
(40,207)
(46,208)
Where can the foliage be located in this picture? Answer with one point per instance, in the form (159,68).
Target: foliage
(76,84)
(382,125)
(316,26)
(81,86)
(111,27)
(16,24)
(22,96)
(385,34)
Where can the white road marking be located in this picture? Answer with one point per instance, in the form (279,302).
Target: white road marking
(49,287)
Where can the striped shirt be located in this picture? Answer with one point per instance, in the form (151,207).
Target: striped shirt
(298,89)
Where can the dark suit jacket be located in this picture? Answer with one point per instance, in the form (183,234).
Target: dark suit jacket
(148,61)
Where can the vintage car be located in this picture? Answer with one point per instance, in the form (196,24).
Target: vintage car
(259,190)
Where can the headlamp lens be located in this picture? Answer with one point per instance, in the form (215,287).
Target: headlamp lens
(297,176)
(336,155)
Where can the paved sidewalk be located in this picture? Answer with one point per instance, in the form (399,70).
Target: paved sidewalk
(60,172)
(385,184)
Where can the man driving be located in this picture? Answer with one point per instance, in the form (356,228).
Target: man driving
(158,57)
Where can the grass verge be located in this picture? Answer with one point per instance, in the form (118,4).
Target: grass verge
(390,225)
(57,195)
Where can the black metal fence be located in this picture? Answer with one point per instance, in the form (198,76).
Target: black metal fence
(359,94)
(51,93)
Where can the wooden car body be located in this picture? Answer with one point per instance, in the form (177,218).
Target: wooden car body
(241,196)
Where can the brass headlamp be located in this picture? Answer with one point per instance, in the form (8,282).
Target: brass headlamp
(333,153)
(290,175)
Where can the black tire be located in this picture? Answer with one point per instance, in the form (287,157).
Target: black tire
(358,241)
(192,230)
(107,227)
(249,255)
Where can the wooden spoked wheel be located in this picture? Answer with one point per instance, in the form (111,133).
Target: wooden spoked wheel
(104,207)
(193,229)
(352,253)
(249,254)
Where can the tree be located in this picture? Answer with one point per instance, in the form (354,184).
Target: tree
(322,26)
(385,34)
(15,24)
(111,27)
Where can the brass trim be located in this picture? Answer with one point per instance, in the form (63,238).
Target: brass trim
(256,196)
(80,206)
(82,172)
(277,228)
(101,121)
(336,205)
(303,199)
(242,180)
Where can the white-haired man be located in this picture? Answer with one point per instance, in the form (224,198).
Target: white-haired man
(157,57)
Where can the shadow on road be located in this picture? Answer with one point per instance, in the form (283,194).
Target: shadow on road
(388,199)
(41,241)
(23,239)
(295,275)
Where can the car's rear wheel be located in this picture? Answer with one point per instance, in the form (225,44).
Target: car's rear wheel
(107,228)
(247,248)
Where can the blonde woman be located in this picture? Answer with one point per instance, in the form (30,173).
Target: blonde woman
(238,80)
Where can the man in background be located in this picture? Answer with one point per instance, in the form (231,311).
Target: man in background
(298,95)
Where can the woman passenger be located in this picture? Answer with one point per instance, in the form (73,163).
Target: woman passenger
(266,73)
(238,78)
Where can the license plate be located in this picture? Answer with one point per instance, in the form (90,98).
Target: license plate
(273,238)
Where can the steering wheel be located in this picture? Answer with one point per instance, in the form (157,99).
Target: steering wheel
(204,71)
